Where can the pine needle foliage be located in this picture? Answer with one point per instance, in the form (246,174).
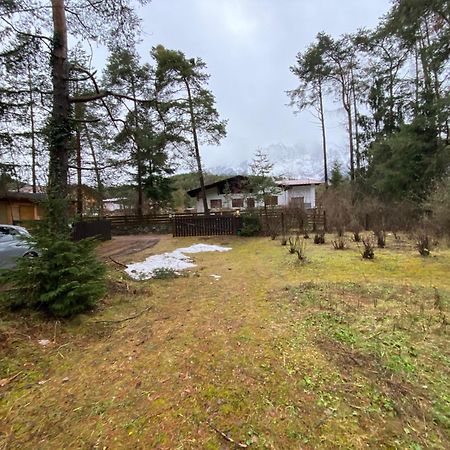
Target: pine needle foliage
(64,280)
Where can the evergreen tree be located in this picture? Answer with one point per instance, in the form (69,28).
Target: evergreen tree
(65,279)
(261,181)
(313,73)
(337,178)
(187,106)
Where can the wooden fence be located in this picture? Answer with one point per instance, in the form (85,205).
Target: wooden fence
(292,220)
(216,225)
(277,220)
(100,229)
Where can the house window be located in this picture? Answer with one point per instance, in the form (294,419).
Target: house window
(298,202)
(271,200)
(250,202)
(216,203)
(237,202)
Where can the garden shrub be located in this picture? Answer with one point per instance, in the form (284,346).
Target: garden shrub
(368,248)
(65,279)
(339,243)
(319,238)
(423,244)
(251,225)
(298,246)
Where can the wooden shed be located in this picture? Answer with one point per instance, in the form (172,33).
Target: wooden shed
(18,207)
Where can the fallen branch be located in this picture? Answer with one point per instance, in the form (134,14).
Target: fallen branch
(126,318)
(226,437)
(6,381)
(117,262)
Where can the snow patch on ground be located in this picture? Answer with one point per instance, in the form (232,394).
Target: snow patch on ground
(176,260)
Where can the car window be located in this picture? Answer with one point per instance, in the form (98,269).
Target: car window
(8,231)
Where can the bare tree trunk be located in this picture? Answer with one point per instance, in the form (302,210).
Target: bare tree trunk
(79,178)
(33,134)
(59,139)
(324,137)
(355,114)
(348,109)
(417,77)
(197,150)
(138,154)
(96,170)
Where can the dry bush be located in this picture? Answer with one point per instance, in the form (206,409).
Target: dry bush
(297,246)
(423,243)
(295,218)
(293,242)
(271,224)
(338,206)
(340,243)
(381,238)
(356,236)
(367,252)
(438,207)
(319,238)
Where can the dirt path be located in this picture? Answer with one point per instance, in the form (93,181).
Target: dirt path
(121,246)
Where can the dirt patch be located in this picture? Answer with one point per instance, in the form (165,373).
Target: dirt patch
(121,246)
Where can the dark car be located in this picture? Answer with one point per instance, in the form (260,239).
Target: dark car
(13,245)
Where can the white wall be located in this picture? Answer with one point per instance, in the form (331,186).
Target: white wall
(212,194)
(307,192)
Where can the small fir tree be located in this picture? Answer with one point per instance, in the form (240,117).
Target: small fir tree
(64,280)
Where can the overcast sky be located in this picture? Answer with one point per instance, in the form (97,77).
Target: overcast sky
(248,46)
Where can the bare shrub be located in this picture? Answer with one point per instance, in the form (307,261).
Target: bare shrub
(356,236)
(338,206)
(423,244)
(271,225)
(293,242)
(438,207)
(339,243)
(296,218)
(367,251)
(301,250)
(297,246)
(381,238)
(319,238)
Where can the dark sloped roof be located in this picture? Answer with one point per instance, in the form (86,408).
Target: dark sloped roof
(220,184)
(24,196)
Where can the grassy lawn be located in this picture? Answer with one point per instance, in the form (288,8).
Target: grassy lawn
(336,353)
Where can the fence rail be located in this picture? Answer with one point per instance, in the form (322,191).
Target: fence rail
(206,225)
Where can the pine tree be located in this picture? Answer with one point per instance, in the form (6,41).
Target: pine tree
(187,106)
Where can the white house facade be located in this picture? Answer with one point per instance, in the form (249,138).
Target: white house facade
(234,194)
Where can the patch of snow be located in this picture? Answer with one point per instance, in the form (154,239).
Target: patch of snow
(199,248)
(175,260)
